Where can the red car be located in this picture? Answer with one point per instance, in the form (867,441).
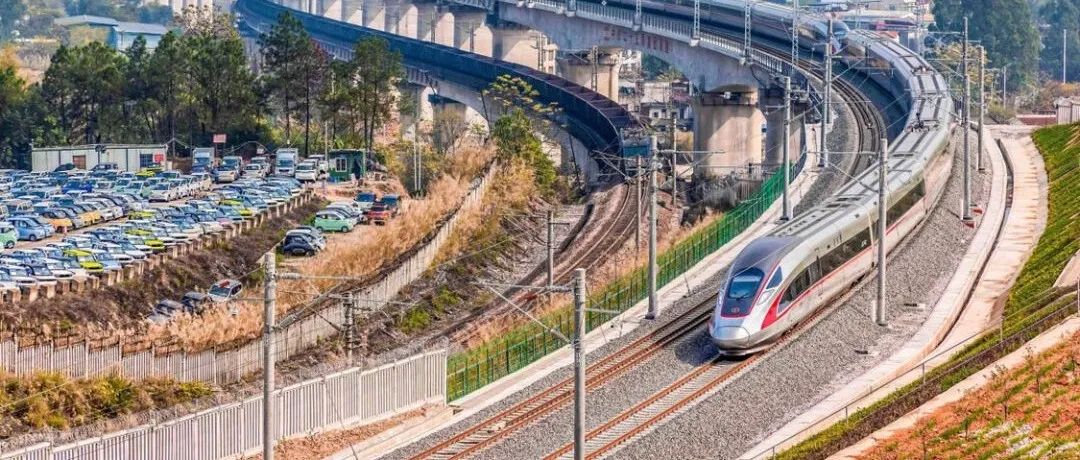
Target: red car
(379,214)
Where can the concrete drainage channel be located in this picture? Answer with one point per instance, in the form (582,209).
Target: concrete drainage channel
(134,271)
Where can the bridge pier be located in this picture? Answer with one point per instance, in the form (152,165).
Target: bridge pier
(422,111)
(471,33)
(774,136)
(434,24)
(728,122)
(331,9)
(373,14)
(599,73)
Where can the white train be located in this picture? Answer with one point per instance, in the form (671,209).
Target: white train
(783,278)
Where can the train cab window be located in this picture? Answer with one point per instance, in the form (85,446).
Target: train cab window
(775,280)
(745,284)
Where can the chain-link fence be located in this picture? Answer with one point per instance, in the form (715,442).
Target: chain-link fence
(472,369)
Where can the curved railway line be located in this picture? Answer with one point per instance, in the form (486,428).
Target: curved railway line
(680,394)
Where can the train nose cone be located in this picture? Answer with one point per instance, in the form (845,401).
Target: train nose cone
(726,337)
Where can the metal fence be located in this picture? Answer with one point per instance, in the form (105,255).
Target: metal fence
(224,366)
(232,430)
(471,370)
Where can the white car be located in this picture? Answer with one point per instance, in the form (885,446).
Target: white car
(19,275)
(254,170)
(307,171)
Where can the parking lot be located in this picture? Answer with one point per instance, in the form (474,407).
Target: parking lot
(68,230)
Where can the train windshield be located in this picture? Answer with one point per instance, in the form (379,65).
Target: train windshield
(745,284)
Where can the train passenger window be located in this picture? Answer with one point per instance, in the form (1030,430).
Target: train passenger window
(745,284)
(904,204)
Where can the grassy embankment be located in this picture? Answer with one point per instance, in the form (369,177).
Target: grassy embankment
(49,400)
(1034,305)
(1032,411)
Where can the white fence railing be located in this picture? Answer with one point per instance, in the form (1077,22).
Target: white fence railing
(233,430)
(224,366)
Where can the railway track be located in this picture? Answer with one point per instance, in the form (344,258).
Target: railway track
(508,421)
(682,393)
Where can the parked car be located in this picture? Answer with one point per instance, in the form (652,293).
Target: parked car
(225,290)
(330,220)
(307,171)
(379,214)
(299,245)
(30,228)
(8,235)
(196,302)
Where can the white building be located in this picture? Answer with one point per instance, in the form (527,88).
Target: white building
(126,157)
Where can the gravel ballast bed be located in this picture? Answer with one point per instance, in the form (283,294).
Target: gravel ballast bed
(776,389)
(674,361)
(826,357)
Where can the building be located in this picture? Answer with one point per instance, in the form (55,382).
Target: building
(1068,110)
(118,35)
(127,157)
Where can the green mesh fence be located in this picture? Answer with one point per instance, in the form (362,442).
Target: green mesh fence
(472,369)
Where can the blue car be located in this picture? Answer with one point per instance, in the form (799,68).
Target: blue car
(30,228)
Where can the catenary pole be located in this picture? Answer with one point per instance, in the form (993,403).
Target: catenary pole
(785,148)
(579,364)
(654,307)
(269,301)
(982,110)
(965,127)
(879,307)
(825,118)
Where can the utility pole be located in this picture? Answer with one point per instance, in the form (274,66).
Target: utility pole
(550,248)
(879,308)
(579,364)
(966,127)
(795,34)
(824,148)
(269,301)
(674,161)
(1064,54)
(350,331)
(417,174)
(982,109)
(785,149)
(654,307)
(1005,86)
(637,202)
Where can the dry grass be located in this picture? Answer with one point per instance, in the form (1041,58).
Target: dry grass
(53,401)
(359,254)
(1032,411)
(321,445)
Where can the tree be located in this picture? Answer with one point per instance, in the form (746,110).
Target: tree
(11,11)
(167,84)
(284,51)
(515,138)
(1005,28)
(140,100)
(312,69)
(375,71)
(222,85)
(1058,16)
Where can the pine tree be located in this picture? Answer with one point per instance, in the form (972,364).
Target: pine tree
(1005,27)
(284,51)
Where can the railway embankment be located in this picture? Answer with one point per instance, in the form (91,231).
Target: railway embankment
(1014,216)
(1034,305)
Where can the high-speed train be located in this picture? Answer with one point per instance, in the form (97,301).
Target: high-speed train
(783,278)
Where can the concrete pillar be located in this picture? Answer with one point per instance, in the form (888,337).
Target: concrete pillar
(583,68)
(402,19)
(729,122)
(374,14)
(516,44)
(331,8)
(351,11)
(435,24)
(422,113)
(471,33)
(774,121)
